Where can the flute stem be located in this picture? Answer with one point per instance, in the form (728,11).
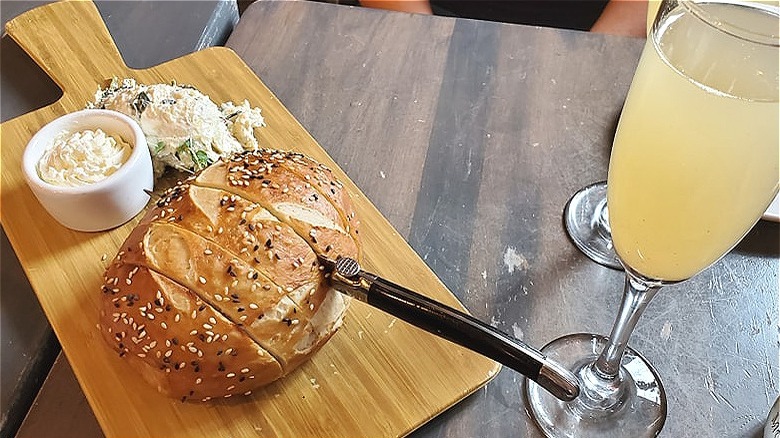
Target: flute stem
(637,293)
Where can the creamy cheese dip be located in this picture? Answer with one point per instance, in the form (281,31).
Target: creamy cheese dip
(83,157)
(184,128)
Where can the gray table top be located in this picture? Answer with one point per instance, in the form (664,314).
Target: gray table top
(470,137)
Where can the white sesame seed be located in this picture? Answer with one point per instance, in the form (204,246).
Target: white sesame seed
(244,370)
(150,315)
(168,343)
(164,325)
(230,375)
(207,326)
(177,318)
(198,380)
(202,280)
(230,388)
(194,332)
(248,393)
(208,251)
(168,353)
(212,320)
(194,314)
(218,297)
(253,306)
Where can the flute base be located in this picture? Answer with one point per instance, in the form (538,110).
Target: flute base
(586,222)
(635,406)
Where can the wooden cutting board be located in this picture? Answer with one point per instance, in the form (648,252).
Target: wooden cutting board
(376,377)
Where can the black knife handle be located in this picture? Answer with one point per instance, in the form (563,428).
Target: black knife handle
(467,331)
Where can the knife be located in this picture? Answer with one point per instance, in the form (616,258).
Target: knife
(453,325)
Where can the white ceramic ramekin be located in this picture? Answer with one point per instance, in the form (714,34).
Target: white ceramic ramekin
(105,204)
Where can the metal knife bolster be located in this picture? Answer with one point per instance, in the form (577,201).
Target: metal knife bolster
(351,279)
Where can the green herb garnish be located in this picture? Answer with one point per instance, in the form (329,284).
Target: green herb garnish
(140,103)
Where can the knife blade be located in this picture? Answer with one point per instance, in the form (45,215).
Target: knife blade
(348,277)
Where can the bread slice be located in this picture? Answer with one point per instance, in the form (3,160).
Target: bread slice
(150,320)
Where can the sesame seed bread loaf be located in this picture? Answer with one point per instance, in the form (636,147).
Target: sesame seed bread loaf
(218,289)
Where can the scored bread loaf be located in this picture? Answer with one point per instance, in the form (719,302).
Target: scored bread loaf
(218,290)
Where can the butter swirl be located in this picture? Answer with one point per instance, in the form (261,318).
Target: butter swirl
(82,158)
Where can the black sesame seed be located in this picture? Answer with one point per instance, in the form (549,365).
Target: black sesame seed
(174,341)
(221,367)
(240,309)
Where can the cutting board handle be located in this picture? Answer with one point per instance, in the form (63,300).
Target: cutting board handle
(69,40)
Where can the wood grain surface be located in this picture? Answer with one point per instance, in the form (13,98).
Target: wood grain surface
(398,374)
(417,108)
(523,118)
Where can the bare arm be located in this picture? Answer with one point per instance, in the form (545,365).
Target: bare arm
(417,6)
(623,17)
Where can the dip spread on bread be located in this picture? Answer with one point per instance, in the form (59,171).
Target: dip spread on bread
(83,157)
(184,128)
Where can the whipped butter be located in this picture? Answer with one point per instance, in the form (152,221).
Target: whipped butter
(83,157)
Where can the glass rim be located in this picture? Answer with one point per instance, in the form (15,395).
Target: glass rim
(723,25)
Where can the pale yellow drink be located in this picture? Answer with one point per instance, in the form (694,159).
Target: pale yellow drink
(695,162)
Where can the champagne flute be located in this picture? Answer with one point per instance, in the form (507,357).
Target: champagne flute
(694,165)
